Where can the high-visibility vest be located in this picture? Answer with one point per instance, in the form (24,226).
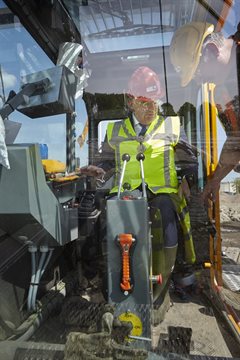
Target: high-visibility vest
(184,220)
(158,147)
(157,235)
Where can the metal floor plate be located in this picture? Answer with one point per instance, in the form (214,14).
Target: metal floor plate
(197,315)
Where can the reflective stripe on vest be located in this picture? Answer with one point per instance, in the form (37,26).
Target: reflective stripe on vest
(158,147)
(184,220)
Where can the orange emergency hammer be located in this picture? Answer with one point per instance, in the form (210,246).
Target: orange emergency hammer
(126,241)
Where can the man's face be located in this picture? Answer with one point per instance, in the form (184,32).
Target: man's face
(216,52)
(145,110)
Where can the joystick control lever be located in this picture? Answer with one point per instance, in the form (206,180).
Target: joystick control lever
(125,159)
(140,157)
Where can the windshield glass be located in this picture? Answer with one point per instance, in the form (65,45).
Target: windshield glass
(119,178)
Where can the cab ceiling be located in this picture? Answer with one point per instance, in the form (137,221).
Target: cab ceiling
(52,22)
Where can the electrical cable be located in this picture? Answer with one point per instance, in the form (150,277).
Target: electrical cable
(37,280)
(46,262)
(30,291)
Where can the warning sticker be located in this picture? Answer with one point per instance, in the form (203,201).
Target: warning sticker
(134,320)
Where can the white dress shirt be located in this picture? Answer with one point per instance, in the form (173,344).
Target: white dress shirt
(137,125)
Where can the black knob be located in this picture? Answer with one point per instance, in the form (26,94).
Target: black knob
(127,186)
(126,157)
(140,156)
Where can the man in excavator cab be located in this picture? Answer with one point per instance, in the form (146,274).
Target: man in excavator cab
(162,144)
(198,51)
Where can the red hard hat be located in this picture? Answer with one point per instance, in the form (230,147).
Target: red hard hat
(145,83)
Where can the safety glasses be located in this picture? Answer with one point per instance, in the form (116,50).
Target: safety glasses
(145,102)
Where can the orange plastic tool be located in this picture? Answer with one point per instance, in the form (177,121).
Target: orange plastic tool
(126,241)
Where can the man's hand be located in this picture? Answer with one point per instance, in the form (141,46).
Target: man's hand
(225,165)
(211,190)
(92,170)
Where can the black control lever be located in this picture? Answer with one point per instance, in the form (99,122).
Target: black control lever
(125,159)
(140,157)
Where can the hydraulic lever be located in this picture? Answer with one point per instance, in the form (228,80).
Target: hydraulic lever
(140,157)
(125,158)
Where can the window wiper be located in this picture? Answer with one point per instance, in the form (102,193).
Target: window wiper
(137,29)
(116,13)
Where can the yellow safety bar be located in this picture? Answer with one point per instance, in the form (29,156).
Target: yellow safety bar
(211,159)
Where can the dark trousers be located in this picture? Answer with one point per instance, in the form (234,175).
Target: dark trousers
(168,213)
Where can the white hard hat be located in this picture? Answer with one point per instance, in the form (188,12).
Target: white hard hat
(186,46)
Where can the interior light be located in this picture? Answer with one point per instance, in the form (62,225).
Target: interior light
(132,58)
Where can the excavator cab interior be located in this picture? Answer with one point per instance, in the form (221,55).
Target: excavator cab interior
(80,271)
